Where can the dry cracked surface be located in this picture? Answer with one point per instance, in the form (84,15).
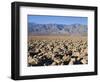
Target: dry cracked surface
(57,52)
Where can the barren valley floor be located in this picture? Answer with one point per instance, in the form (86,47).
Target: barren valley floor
(57,50)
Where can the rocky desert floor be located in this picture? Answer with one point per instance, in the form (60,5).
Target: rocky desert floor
(57,50)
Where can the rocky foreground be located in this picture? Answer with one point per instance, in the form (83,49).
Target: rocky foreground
(57,52)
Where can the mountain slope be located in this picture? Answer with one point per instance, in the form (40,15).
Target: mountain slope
(57,29)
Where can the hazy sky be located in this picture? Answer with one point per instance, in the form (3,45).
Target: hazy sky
(43,19)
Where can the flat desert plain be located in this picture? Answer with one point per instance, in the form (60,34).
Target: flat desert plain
(57,50)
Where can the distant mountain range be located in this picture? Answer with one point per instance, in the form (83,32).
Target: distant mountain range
(57,29)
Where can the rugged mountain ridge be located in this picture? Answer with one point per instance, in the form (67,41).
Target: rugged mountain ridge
(57,29)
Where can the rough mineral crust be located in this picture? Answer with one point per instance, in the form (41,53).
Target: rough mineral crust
(57,52)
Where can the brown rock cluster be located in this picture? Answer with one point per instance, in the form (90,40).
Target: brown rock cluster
(57,52)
